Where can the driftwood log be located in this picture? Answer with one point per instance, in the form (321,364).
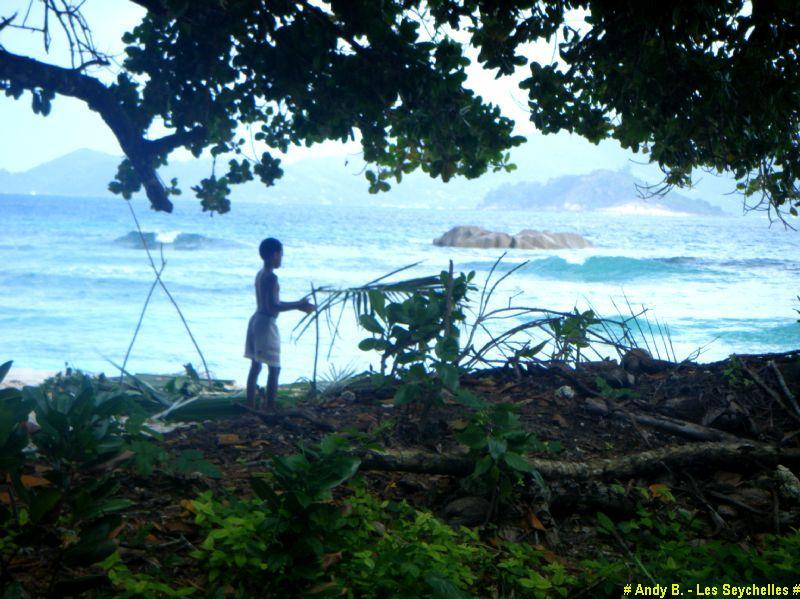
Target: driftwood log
(732,456)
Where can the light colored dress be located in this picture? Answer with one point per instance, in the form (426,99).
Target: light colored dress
(263,343)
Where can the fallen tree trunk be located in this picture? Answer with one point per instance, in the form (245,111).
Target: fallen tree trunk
(682,428)
(733,456)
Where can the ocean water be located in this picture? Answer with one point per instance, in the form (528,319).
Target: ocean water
(72,285)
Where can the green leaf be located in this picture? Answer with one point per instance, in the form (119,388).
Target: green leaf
(535,581)
(482,466)
(147,455)
(449,375)
(107,507)
(203,408)
(447,349)
(468,399)
(42,502)
(442,587)
(497,447)
(190,461)
(371,344)
(4,368)
(13,410)
(517,462)
(406,394)
(264,491)
(86,553)
(532,351)
(473,437)
(605,522)
(502,416)
(370,323)
(377,301)
(330,444)
(337,471)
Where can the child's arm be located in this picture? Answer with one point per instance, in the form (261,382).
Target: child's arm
(273,298)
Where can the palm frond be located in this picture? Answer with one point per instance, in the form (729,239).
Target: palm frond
(358,298)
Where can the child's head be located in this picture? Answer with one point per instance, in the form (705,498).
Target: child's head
(271,251)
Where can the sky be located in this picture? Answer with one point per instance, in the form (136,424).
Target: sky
(29,139)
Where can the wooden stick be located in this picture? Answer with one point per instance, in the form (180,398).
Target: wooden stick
(316,344)
(784,387)
(769,390)
(167,292)
(141,318)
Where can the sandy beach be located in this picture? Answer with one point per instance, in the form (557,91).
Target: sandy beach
(20,377)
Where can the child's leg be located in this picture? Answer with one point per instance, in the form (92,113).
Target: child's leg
(272,385)
(252,378)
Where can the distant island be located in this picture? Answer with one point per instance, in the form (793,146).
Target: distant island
(331,180)
(599,191)
(326,180)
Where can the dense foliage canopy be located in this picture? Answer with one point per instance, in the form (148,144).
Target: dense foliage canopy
(694,83)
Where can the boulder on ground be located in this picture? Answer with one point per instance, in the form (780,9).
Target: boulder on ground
(638,361)
(467,511)
(527,239)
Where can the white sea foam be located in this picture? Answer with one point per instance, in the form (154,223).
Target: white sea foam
(167,236)
(643,209)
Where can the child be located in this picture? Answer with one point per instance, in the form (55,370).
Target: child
(263,342)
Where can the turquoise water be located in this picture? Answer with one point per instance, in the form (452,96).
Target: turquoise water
(69,291)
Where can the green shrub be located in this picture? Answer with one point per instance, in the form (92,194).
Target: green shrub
(497,441)
(69,513)
(420,337)
(668,545)
(519,569)
(394,550)
(277,540)
(129,584)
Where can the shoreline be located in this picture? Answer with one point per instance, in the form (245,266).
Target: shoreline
(19,377)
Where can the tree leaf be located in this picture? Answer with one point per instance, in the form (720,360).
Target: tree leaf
(473,437)
(449,375)
(468,399)
(497,447)
(605,522)
(4,368)
(264,491)
(442,587)
(370,323)
(517,462)
(482,466)
(42,502)
(377,301)
(370,344)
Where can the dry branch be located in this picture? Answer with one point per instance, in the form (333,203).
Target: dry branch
(768,390)
(784,387)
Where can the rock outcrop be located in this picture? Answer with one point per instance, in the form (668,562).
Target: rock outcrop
(527,239)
